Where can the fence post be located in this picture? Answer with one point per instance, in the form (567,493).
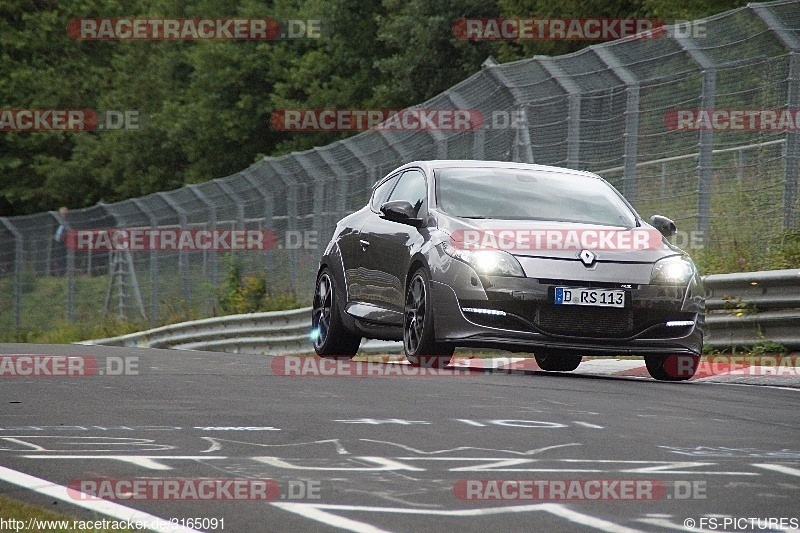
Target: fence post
(630,152)
(522,151)
(370,172)
(183,260)
(705,160)
(266,199)
(342,186)
(290,182)
(574,102)
(19,251)
(212,212)
(154,289)
(70,284)
(791,157)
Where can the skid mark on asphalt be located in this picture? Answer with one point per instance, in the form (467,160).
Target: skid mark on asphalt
(217,444)
(463,448)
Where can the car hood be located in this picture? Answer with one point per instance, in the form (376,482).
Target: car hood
(558,240)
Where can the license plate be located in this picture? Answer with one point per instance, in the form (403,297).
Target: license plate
(594,297)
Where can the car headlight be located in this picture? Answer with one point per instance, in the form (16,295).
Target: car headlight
(487,262)
(675,270)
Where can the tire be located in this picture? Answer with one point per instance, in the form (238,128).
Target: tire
(672,367)
(418,325)
(332,339)
(557,361)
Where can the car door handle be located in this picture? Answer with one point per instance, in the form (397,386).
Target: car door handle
(364,245)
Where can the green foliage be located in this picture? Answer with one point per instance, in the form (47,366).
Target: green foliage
(25,512)
(232,286)
(64,332)
(251,293)
(768,347)
(784,250)
(29,280)
(746,252)
(205,106)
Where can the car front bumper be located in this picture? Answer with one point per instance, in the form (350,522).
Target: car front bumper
(518,314)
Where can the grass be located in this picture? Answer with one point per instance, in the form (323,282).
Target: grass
(44,313)
(15,510)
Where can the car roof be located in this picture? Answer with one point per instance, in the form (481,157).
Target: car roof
(466,163)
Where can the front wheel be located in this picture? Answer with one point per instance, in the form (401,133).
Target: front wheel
(672,367)
(418,330)
(331,338)
(557,362)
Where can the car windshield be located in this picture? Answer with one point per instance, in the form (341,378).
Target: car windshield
(517,194)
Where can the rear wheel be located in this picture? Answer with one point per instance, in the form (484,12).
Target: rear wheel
(672,367)
(418,330)
(331,338)
(557,361)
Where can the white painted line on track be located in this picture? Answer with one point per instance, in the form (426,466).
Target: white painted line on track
(318,512)
(151,462)
(110,509)
(314,512)
(780,468)
(587,424)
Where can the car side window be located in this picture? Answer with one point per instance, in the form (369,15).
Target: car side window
(382,192)
(412,189)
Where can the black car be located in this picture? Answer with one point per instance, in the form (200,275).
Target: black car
(510,256)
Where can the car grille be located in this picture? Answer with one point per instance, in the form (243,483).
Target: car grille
(585,321)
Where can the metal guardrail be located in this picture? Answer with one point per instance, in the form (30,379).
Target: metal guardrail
(743,309)
(271,333)
(749,308)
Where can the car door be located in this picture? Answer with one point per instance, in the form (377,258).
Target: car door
(388,245)
(353,245)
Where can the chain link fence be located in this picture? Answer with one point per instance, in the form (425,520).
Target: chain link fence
(608,108)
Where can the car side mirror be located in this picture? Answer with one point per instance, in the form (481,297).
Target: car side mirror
(664,225)
(402,212)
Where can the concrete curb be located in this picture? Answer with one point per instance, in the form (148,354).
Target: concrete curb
(786,373)
(782,375)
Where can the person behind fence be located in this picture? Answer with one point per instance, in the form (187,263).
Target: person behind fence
(60,247)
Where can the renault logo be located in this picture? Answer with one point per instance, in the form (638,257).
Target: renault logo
(587,257)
